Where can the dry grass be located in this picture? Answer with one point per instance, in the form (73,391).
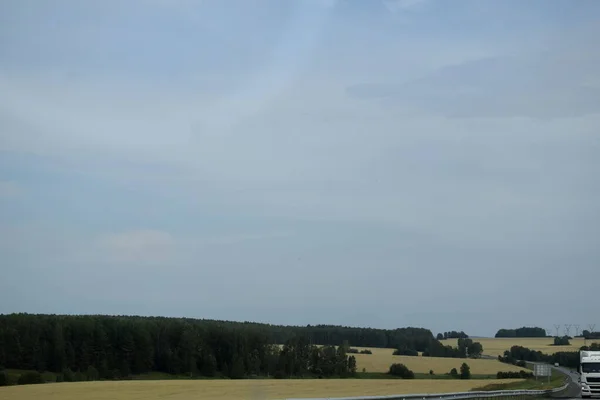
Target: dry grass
(233,390)
(497,346)
(381,359)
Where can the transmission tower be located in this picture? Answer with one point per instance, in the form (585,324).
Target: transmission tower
(576,329)
(557,327)
(592,327)
(567,329)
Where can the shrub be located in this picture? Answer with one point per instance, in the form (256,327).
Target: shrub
(366,351)
(430,372)
(352,351)
(453,372)
(514,375)
(406,352)
(30,378)
(402,371)
(562,341)
(3,378)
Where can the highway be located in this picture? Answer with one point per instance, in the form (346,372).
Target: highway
(573,391)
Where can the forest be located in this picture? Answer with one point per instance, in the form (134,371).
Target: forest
(521,332)
(116,347)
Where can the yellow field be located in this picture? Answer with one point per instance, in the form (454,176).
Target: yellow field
(234,390)
(381,359)
(497,346)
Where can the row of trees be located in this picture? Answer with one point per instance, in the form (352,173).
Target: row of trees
(590,335)
(514,375)
(452,335)
(592,347)
(466,348)
(117,347)
(520,353)
(521,332)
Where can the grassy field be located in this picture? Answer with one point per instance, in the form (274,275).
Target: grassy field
(381,359)
(232,390)
(497,346)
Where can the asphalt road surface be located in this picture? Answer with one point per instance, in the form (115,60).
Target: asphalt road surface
(574,390)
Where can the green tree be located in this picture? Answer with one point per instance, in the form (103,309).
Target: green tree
(92,373)
(465,371)
(3,378)
(68,375)
(29,378)
(238,370)
(401,371)
(352,365)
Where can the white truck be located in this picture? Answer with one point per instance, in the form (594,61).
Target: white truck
(589,370)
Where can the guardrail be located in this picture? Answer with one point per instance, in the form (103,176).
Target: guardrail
(454,396)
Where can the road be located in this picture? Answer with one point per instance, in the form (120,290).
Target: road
(573,391)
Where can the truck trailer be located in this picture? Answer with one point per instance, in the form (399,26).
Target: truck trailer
(589,370)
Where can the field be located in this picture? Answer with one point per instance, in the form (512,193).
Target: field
(233,390)
(497,346)
(381,359)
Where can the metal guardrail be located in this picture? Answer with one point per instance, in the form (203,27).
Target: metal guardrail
(453,396)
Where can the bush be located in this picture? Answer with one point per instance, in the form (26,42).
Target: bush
(92,374)
(465,371)
(79,377)
(352,351)
(30,378)
(430,372)
(366,351)
(521,363)
(562,341)
(3,378)
(514,375)
(406,352)
(453,372)
(402,371)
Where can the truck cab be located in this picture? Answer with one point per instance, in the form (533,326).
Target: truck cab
(589,370)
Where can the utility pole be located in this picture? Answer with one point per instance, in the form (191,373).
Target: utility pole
(576,329)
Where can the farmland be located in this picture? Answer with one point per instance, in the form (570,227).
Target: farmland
(381,359)
(233,389)
(497,346)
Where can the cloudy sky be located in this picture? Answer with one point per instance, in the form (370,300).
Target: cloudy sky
(372,163)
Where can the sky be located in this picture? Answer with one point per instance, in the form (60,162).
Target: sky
(365,163)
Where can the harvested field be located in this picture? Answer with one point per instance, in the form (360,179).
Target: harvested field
(234,389)
(497,346)
(381,359)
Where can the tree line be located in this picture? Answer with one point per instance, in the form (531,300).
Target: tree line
(592,347)
(520,353)
(521,332)
(466,348)
(452,335)
(116,347)
(590,335)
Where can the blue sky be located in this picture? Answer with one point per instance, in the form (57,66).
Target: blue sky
(380,163)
